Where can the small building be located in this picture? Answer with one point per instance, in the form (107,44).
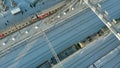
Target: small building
(15,10)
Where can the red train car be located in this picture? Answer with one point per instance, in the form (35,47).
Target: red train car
(2,36)
(42,16)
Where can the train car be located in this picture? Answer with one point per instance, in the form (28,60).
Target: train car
(34,19)
(42,16)
(2,35)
